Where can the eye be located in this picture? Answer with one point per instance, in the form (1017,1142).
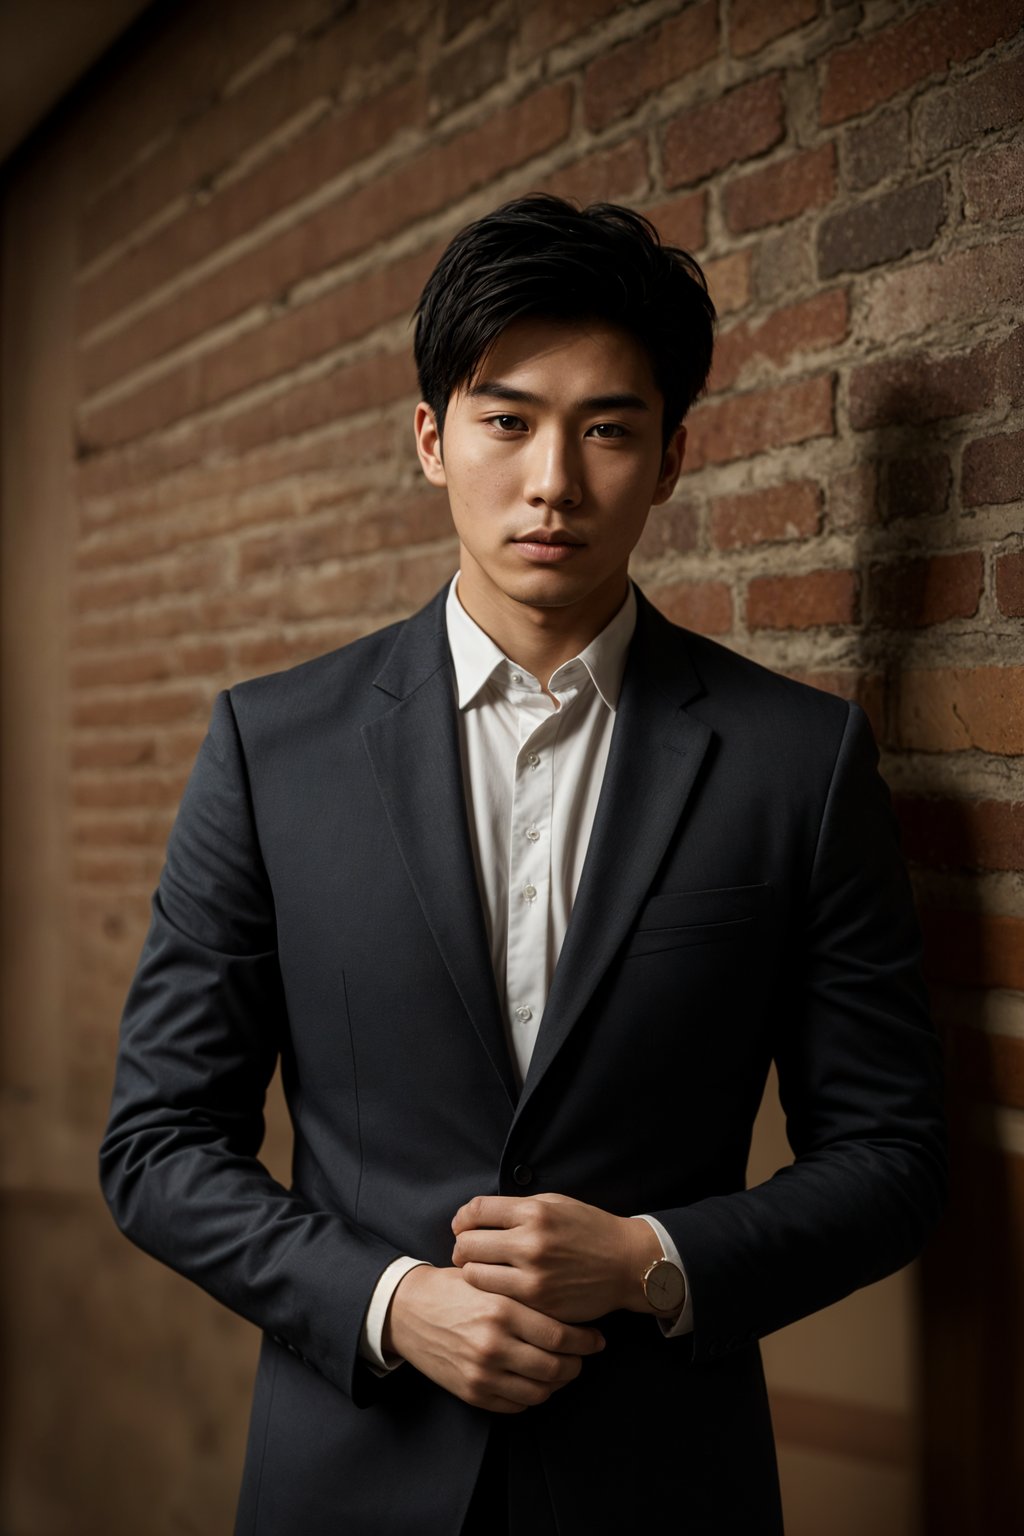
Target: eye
(507,423)
(607,430)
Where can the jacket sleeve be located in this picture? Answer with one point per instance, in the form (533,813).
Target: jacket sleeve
(860,1081)
(202,1029)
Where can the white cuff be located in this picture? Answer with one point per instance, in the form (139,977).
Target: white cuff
(371,1337)
(684,1322)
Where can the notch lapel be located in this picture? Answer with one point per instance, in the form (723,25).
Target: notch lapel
(414,752)
(655,756)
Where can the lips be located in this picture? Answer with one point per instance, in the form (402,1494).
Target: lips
(549,536)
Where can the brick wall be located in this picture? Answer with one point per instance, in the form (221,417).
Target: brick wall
(259,192)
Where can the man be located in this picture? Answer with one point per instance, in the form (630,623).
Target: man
(526,893)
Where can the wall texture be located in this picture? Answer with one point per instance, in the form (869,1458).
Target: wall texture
(210,258)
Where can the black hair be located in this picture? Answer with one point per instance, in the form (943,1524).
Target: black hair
(543,257)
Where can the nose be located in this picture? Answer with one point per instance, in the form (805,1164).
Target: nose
(553,472)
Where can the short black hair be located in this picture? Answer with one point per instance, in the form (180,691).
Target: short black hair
(544,257)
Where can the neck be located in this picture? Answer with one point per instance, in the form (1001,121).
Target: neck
(538,639)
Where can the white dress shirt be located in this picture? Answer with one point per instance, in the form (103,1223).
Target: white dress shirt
(532,769)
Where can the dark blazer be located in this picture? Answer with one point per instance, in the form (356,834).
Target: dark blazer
(743,899)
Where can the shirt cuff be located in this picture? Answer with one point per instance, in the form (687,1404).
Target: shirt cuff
(371,1337)
(684,1322)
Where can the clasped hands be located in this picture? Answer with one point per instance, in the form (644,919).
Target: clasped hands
(501,1327)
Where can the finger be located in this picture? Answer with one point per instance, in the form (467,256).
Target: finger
(499,1279)
(555,1337)
(485,1246)
(488,1211)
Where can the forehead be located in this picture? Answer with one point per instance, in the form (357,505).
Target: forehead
(553,357)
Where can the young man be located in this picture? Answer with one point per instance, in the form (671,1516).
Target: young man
(526,893)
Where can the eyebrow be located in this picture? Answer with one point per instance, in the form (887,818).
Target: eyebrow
(618,400)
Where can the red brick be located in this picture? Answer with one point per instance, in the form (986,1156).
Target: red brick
(742,352)
(545,25)
(1010,584)
(117,869)
(670,530)
(620,79)
(766,516)
(922,387)
(728,279)
(704,606)
(965,112)
(192,568)
(876,149)
(962,834)
(461,74)
(154,621)
(744,122)
(993,470)
(865,688)
(273,649)
(744,425)
(910,594)
(916,487)
(128,789)
(137,666)
(780,191)
(375,380)
(127,830)
(298,336)
(681,220)
(752,23)
(876,68)
(381,587)
(973,949)
(993,183)
(135,486)
(612,175)
(149,707)
(207,227)
(954,709)
(177,747)
(852,497)
(959,286)
(385,204)
(179,69)
(231,123)
(884,229)
(401,521)
(108,752)
(802,602)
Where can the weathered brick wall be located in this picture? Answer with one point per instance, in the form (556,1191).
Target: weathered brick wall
(261,191)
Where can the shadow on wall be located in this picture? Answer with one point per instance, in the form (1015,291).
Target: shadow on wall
(971,1277)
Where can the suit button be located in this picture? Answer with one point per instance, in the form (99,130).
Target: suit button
(523,1173)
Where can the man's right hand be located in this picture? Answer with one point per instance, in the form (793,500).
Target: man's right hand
(489,1350)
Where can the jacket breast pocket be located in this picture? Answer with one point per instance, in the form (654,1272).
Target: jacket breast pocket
(677,918)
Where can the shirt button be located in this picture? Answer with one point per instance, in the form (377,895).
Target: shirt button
(530,892)
(517,677)
(524,1013)
(532,834)
(523,1174)
(533,758)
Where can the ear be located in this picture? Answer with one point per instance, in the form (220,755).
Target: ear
(671,464)
(428,445)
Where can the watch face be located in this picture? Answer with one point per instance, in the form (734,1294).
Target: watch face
(664,1286)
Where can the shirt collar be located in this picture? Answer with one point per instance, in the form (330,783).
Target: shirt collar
(477,658)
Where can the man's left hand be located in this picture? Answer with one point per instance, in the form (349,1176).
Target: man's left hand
(558,1255)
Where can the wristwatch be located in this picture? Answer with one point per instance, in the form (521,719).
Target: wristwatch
(664,1286)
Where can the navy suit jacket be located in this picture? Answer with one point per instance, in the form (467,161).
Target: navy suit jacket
(743,900)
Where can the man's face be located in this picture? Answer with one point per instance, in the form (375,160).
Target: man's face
(552,458)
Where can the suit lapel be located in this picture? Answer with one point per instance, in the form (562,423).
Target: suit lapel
(655,756)
(414,752)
